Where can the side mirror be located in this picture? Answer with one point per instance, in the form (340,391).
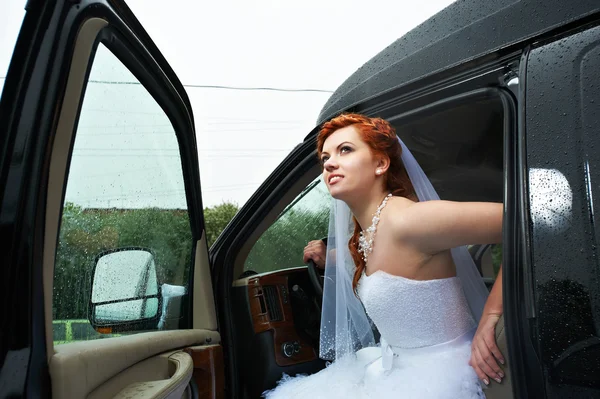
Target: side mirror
(125,291)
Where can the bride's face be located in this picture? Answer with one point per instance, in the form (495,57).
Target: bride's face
(349,167)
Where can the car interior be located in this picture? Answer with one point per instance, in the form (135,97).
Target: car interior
(276,302)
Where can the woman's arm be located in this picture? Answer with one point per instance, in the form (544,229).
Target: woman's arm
(485,354)
(435,226)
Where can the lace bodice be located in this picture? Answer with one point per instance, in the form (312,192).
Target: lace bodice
(412,313)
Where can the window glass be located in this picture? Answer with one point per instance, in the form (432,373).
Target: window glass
(59,332)
(125,189)
(496,258)
(488,259)
(281,246)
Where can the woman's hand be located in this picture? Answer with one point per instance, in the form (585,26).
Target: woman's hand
(485,354)
(315,251)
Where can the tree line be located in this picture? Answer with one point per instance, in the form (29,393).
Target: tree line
(85,233)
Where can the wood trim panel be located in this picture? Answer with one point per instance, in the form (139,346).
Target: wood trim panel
(208,370)
(276,286)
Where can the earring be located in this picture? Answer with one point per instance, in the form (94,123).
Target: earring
(378,172)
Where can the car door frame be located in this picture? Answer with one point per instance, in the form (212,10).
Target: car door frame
(30,107)
(265,203)
(554,136)
(260,210)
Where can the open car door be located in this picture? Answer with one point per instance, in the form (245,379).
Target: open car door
(105,280)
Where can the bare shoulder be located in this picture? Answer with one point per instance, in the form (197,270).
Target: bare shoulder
(400,203)
(398,213)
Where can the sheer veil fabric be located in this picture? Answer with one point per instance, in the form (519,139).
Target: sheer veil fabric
(345,326)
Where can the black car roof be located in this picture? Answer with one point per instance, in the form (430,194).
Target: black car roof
(465,30)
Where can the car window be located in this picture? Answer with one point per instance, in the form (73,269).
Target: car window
(281,245)
(496,259)
(125,189)
(307,218)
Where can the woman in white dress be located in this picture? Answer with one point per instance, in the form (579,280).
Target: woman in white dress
(398,261)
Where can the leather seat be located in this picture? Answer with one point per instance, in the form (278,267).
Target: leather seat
(504,389)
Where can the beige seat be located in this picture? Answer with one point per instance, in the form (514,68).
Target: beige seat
(504,389)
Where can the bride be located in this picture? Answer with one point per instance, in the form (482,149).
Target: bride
(397,261)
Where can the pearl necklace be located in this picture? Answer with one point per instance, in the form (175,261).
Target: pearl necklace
(365,241)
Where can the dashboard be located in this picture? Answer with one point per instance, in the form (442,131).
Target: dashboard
(277,322)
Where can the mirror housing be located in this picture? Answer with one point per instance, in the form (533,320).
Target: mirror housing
(125,294)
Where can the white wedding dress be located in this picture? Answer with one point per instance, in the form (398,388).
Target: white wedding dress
(426,329)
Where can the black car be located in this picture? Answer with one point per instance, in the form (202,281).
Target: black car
(106,279)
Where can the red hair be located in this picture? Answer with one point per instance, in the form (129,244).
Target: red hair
(381,138)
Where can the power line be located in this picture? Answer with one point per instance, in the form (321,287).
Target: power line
(208,121)
(218,87)
(117,82)
(177,157)
(229,150)
(205,121)
(200,130)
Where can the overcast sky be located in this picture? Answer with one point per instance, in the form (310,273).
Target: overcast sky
(243,135)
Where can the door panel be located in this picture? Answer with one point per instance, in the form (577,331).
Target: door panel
(204,316)
(562,119)
(177,372)
(110,365)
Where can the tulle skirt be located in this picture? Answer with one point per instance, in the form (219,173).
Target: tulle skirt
(439,374)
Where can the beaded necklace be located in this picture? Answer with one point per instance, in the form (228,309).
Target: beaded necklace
(365,241)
